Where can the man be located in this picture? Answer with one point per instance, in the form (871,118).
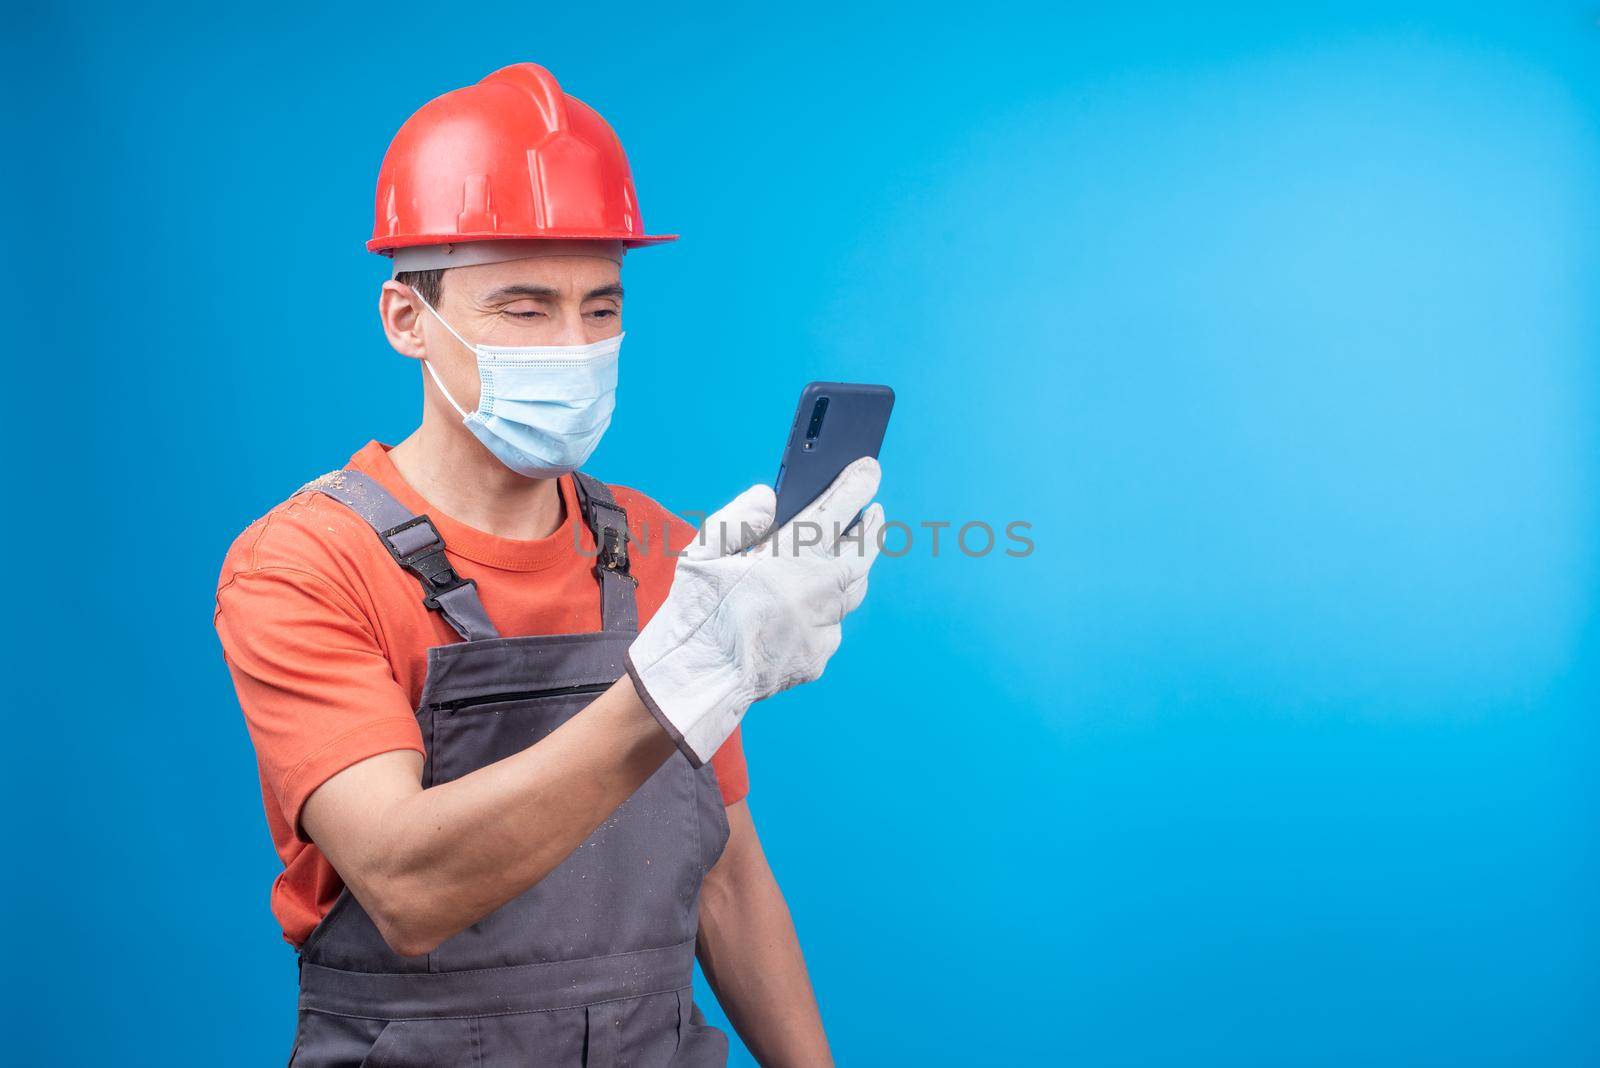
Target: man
(498,738)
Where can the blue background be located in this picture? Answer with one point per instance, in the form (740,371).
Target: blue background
(1278,326)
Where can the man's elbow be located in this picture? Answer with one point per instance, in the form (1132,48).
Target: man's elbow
(399,911)
(406,933)
(409,943)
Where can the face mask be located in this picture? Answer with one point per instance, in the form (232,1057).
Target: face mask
(542,408)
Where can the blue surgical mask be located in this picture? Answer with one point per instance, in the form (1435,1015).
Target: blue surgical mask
(541,408)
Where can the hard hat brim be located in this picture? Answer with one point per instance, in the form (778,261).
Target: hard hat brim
(386,245)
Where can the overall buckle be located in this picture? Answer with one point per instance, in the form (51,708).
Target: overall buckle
(614,552)
(417,546)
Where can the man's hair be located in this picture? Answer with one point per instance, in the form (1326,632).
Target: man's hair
(429,283)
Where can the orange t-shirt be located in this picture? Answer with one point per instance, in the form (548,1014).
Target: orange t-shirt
(327,640)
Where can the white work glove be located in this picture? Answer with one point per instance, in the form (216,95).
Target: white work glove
(740,625)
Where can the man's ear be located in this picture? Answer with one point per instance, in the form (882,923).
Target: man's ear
(401,311)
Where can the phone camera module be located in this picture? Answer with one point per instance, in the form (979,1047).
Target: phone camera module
(817,413)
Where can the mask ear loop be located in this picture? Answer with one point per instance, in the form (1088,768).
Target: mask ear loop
(436,381)
(429,363)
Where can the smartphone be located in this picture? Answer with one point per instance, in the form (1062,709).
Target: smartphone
(835,424)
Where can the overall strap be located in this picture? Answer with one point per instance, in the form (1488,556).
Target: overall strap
(609,523)
(415,544)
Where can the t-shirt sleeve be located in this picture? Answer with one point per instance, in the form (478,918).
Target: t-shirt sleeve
(659,536)
(317,690)
(733,774)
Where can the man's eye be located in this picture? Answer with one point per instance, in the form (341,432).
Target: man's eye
(525,314)
(604,313)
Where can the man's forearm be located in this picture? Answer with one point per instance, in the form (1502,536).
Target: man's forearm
(752,958)
(438,860)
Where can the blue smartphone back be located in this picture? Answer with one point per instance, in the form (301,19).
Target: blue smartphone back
(835,424)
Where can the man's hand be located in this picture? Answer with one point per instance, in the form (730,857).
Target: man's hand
(754,611)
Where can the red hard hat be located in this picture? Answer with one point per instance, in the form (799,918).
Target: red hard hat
(512,157)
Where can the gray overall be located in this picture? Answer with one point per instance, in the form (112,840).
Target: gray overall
(591,966)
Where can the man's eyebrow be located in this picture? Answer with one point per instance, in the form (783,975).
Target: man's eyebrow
(514,291)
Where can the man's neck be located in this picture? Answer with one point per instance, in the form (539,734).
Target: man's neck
(454,473)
